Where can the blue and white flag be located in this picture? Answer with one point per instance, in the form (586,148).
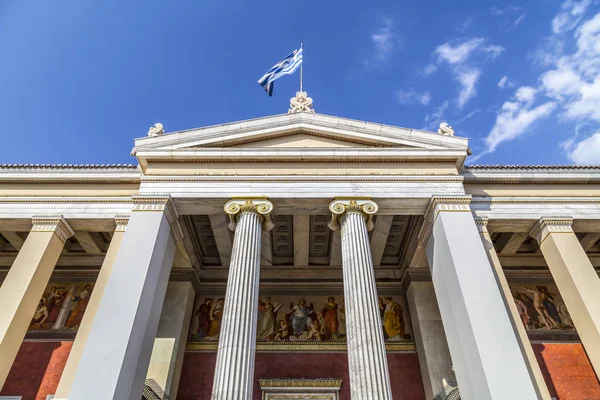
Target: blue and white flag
(287,66)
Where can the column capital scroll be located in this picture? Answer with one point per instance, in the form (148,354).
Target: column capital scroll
(53,223)
(547,225)
(343,205)
(442,204)
(258,205)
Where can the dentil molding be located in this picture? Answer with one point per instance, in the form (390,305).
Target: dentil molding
(56,224)
(547,225)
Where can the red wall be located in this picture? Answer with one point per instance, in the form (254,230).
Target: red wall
(567,371)
(198,369)
(37,370)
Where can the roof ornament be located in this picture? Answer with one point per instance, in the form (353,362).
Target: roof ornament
(446,129)
(301,103)
(156,130)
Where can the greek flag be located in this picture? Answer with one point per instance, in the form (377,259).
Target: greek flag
(287,66)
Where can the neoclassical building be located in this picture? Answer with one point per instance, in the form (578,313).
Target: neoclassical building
(299,256)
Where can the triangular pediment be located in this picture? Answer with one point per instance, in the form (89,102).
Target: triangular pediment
(302,131)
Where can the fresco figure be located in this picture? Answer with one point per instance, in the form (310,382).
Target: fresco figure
(300,316)
(216,314)
(314,329)
(522,308)
(331,323)
(41,313)
(82,300)
(534,319)
(550,306)
(392,320)
(540,301)
(203,315)
(267,320)
(283,332)
(54,303)
(565,316)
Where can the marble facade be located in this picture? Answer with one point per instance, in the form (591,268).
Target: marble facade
(122,261)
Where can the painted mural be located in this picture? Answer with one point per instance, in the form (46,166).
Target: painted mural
(61,307)
(296,318)
(541,308)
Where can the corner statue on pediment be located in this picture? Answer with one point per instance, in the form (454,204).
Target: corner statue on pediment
(446,129)
(301,103)
(156,130)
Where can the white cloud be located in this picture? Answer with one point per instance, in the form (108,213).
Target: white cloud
(383,39)
(493,51)
(519,19)
(516,117)
(468,79)
(435,118)
(504,82)
(458,54)
(587,151)
(429,69)
(570,16)
(410,96)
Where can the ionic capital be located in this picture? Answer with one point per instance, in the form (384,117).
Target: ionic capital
(121,222)
(547,225)
(56,224)
(258,205)
(344,205)
(438,205)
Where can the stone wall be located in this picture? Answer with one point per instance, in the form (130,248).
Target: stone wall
(198,370)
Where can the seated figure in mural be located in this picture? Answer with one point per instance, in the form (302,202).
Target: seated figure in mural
(392,320)
(41,313)
(330,316)
(216,314)
(314,329)
(283,332)
(203,315)
(300,317)
(81,300)
(267,320)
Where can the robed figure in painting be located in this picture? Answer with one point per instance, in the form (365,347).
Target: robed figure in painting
(392,320)
(300,317)
(330,317)
(77,314)
(267,320)
(54,304)
(216,314)
(41,313)
(203,315)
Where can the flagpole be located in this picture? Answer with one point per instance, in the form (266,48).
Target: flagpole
(301,70)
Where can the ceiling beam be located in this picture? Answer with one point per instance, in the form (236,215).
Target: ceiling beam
(589,240)
(301,239)
(266,252)
(14,239)
(514,243)
(220,229)
(336,248)
(381,231)
(87,242)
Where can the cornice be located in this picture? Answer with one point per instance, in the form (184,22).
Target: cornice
(56,224)
(304,178)
(29,199)
(547,225)
(541,200)
(531,174)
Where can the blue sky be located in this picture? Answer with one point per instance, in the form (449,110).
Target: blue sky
(79,80)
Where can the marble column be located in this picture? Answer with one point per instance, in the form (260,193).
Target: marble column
(169,346)
(367,360)
(430,339)
(68,374)
(532,364)
(117,352)
(575,278)
(234,370)
(485,350)
(25,283)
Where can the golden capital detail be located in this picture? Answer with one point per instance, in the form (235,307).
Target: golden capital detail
(442,204)
(481,223)
(258,205)
(361,205)
(547,225)
(121,222)
(56,224)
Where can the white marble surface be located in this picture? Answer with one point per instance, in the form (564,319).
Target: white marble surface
(234,380)
(367,361)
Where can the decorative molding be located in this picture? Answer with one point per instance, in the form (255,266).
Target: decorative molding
(481,223)
(121,221)
(305,178)
(343,205)
(442,204)
(259,205)
(535,200)
(301,103)
(301,347)
(547,225)
(303,383)
(65,200)
(56,224)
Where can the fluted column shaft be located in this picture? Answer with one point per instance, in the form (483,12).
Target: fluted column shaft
(368,367)
(234,371)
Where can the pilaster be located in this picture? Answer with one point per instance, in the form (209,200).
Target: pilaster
(24,285)
(575,278)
